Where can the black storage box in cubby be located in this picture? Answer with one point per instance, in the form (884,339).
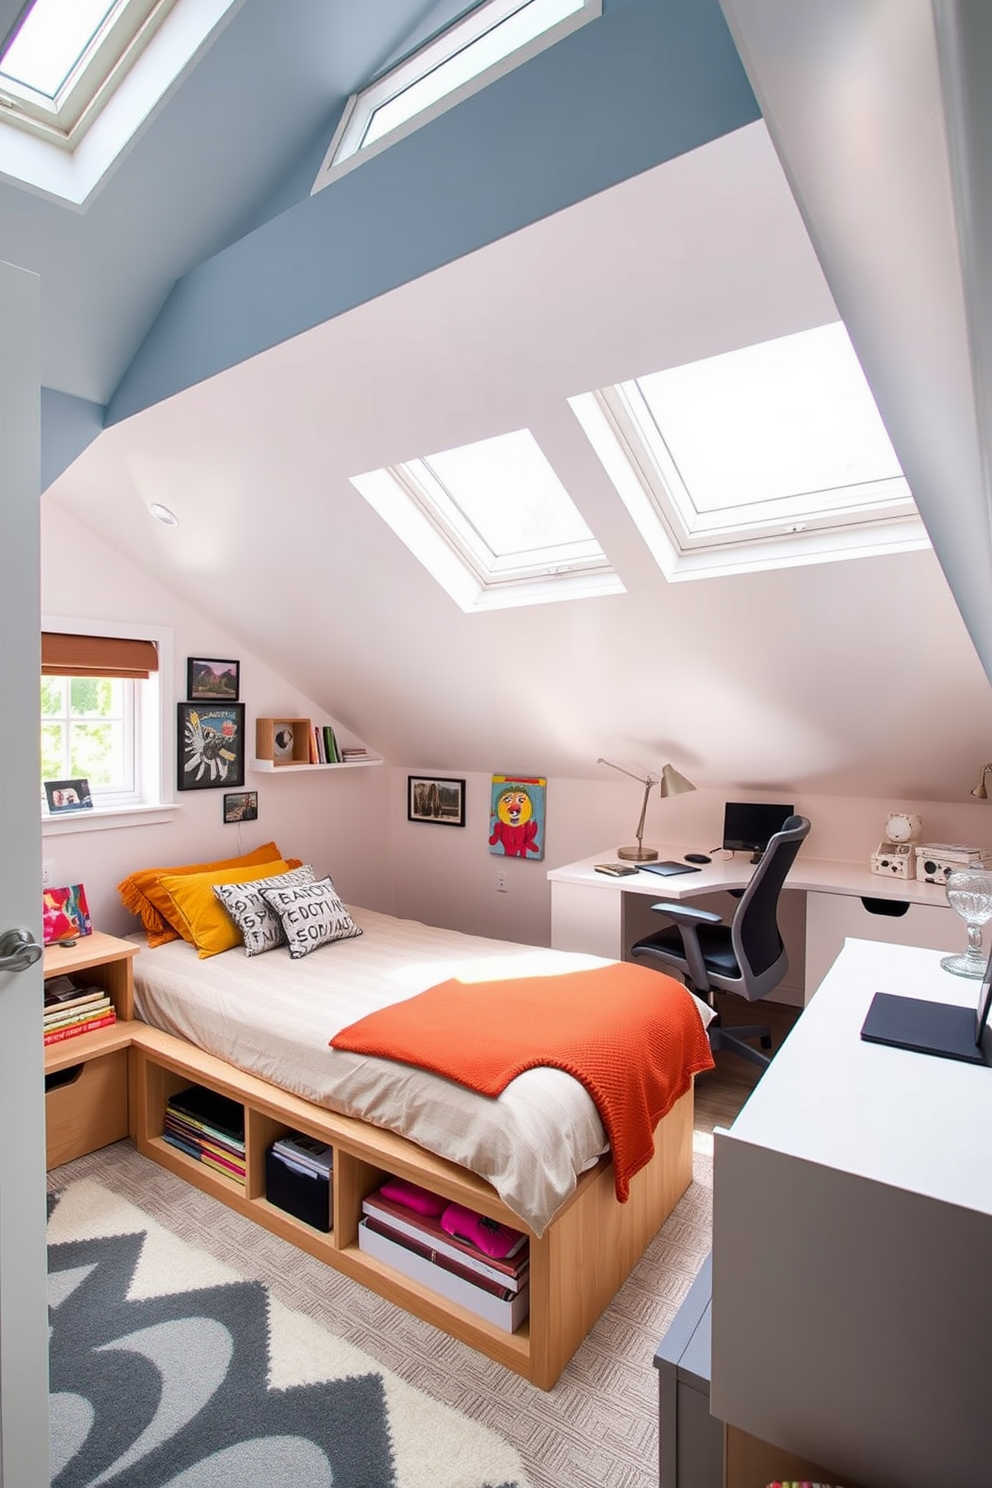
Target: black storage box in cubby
(302,1192)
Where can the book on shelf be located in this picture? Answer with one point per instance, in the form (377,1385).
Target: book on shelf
(304,1153)
(210,1111)
(62,1017)
(428,1252)
(352,754)
(228,1167)
(505,1312)
(88,1025)
(405,1224)
(331,745)
(223,1146)
(78,997)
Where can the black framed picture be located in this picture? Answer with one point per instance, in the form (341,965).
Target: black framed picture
(210,749)
(241,806)
(68,795)
(212,681)
(430,798)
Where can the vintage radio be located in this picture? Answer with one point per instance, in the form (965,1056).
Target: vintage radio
(935,860)
(894,860)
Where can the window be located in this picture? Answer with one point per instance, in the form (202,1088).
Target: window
(78,78)
(763,457)
(66,55)
(492,523)
(101,718)
(492,38)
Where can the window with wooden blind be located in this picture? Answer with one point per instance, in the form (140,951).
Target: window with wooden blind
(101,713)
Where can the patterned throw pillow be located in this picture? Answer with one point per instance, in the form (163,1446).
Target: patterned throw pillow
(260,926)
(312,915)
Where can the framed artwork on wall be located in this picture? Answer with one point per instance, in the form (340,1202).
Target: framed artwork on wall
(430,798)
(516,816)
(212,681)
(241,806)
(210,750)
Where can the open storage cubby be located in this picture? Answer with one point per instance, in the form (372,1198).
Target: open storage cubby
(577,1265)
(283,741)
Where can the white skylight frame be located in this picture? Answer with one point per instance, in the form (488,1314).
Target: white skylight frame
(70,172)
(423,513)
(113,49)
(687,541)
(523,27)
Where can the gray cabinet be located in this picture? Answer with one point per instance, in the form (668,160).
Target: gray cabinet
(690,1441)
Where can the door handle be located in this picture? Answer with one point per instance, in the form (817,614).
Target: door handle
(18,950)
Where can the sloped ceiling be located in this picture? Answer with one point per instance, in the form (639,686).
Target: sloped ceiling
(855,678)
(797,678)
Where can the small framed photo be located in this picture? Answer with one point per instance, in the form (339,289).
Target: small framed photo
(432,799)
(212,681)
(241,806)
(68,795)
(65,914)
(210,746)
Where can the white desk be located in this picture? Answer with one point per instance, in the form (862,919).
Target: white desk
(601,915)
(852,1231)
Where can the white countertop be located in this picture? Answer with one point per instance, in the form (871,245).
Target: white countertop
(913,1121)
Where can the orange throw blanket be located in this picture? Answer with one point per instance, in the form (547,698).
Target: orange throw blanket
(633,1037)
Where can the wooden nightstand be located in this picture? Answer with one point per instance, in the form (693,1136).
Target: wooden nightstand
(86,1103)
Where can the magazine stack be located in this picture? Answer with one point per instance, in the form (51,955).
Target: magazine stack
(209,1127)
(72,1010)
(467,1257)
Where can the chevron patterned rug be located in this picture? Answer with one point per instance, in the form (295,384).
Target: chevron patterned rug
(170,1370)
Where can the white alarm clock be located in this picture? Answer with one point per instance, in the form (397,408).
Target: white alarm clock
(901,826)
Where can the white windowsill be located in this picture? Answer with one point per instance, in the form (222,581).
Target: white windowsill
(97,820)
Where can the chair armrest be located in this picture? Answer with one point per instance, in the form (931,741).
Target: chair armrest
(685,914)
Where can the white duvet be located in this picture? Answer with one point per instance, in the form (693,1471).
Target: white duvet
(273,1016)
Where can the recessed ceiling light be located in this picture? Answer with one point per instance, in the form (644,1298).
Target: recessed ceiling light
(163,514)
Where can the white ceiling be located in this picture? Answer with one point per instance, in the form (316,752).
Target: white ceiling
(826,678)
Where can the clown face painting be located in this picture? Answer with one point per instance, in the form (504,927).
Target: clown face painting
(516,816)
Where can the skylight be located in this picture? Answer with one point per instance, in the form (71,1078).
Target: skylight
(78,78)
(64,55)
(492,523)
(771,455)
(492,38)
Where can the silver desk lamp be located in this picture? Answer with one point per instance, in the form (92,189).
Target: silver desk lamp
(669,783)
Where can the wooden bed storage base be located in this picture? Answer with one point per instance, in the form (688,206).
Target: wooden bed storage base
(577,1266)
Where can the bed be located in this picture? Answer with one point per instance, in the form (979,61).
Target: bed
(536,1157)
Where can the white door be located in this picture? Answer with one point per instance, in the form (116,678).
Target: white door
(23,1304)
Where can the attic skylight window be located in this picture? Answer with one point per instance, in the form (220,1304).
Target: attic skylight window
(764,457)
(492,523)
(493,38)
(65,58)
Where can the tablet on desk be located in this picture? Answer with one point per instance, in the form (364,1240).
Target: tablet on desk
(942,1028)
(668,869)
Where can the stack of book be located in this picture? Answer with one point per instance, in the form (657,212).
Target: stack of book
(71,1010)
(353,754)
(323,745)
(495,1288)
(209,1127)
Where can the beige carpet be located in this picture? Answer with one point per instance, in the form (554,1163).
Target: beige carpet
(598,1428)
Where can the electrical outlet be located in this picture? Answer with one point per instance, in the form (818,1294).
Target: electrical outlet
(502,887)
(47,873)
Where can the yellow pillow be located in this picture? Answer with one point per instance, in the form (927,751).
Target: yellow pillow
(141,894)
(199,916)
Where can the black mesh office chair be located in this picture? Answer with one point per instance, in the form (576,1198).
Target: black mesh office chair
(747,956)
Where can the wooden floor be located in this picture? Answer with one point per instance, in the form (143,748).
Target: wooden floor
(721,1093)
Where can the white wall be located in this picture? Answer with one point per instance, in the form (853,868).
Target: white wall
(335,820)
(353,824)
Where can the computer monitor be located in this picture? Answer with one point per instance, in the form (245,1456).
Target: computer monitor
(749,827)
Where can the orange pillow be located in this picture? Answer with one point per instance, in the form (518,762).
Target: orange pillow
(200,917)
(142,894)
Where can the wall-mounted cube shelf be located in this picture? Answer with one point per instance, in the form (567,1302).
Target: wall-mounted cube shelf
(283,741)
